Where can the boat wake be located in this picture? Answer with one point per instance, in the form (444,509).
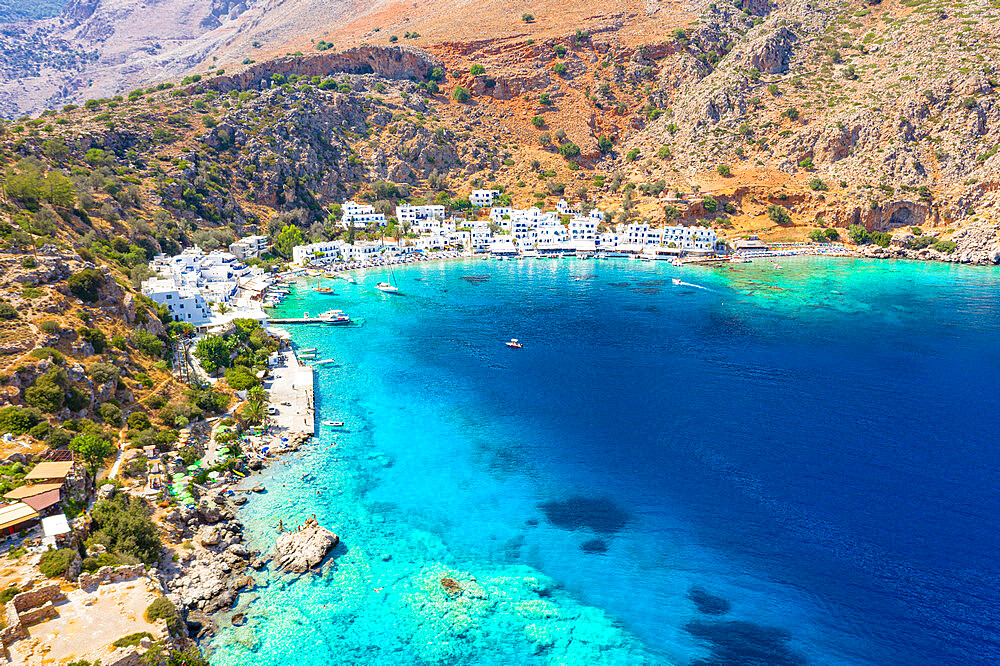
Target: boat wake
(681,283)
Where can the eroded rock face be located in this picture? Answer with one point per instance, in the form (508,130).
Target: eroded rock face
(305,548)
(391,62)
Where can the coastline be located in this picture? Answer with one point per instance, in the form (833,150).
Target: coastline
(223,615)
(214,565)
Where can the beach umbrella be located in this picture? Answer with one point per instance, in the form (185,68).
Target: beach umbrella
(193,467)
(213,475)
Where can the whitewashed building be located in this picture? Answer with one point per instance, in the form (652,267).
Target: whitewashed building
(480,198)
(582,228)
(250,247)
(416,214)
(184,303)
(360,216)
(303,254)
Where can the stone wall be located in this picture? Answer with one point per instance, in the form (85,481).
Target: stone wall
(28,607)
(88,581)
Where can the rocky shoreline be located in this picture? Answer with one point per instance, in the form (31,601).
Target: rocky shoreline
(976,244)
(213,566)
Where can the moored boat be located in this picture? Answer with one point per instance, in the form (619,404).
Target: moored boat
(514,344)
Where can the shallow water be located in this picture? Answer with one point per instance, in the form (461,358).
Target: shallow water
(760,466)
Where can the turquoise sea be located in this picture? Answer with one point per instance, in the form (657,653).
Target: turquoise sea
(756,466)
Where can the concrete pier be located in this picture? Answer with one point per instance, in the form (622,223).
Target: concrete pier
(291,392)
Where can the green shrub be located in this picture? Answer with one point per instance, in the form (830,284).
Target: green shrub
(724,170)
(710,204)
(124,527)
(163,609)
(86,284)
(95,337)
(102,373)
(947,247)
(778,215)
(569,150)
(858,234)
(461,94)
(110,413)
(7,311)
(817,185)
(241,378)
(50,326)
(9,594)
(132,639)
(477,69)
(48,393)
(18,420)
(54,563)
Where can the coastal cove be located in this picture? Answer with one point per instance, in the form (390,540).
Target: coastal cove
(753,463)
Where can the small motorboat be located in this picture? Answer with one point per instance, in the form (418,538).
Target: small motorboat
(387,288)
(325,361)
(333,424)
(307,351)
(775,264)
(324,290)
(514,344)
(676,281)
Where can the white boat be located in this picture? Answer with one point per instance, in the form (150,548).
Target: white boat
(307,351)
(676,262)
(676,281)
(740,260)
(335,317)
(325,361)
(387,288)
(514,344)
(333,424)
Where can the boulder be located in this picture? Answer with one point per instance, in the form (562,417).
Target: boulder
(305,548)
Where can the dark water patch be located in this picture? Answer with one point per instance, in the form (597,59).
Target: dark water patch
(531,522)
(620,284)
(594,546)
(418,279)
(475,279)
(735,642)
(598,514)
(640,308)
(706,603)
(646,290)
(654,283)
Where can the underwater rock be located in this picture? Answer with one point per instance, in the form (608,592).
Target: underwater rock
(594,546)
(451,586)
(598,514)
(305,548)
(707,603)
(739,642)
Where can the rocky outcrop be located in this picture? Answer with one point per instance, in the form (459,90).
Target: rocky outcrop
(390,62)
(771,54)
(213,571)
(305,548)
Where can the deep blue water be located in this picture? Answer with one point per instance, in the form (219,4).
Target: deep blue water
(758,466)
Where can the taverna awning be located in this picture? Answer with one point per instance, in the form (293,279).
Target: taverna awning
(31,491)
(13,515)
(43,501)
(50,471)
